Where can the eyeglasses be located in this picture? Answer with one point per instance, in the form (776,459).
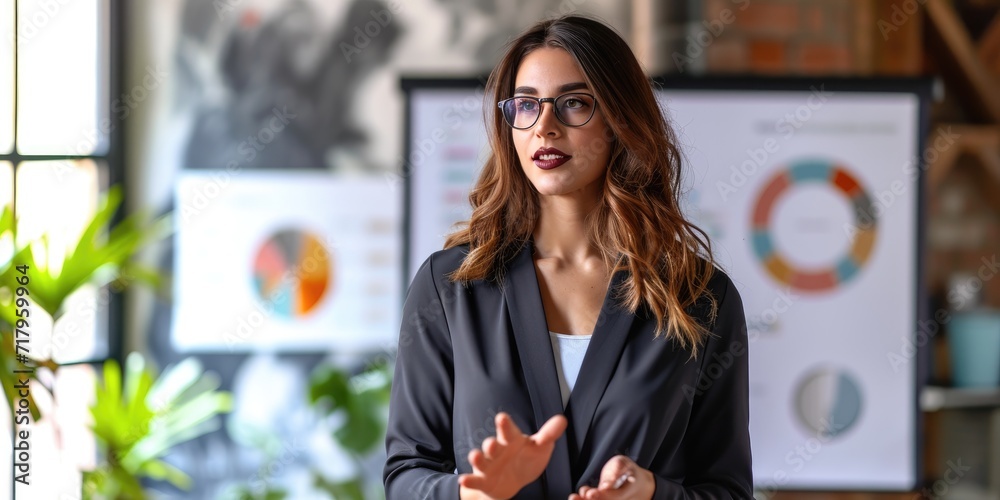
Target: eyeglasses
(573,110)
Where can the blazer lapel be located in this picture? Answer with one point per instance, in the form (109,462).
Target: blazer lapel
(599,363)
(531,335)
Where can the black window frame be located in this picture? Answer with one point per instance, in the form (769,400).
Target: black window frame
(113,174)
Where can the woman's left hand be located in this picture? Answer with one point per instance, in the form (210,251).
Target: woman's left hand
(639,486)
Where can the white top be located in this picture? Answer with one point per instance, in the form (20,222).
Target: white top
(568,351)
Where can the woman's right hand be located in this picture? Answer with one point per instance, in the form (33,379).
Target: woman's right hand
(511,460)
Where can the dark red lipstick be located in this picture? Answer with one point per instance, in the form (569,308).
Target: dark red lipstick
(549,158)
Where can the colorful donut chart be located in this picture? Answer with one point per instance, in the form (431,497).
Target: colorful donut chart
(841,181)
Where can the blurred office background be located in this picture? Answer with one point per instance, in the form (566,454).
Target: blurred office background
(273,132)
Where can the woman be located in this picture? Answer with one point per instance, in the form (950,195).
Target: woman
(574,339)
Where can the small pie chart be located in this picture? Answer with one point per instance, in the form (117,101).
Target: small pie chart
(292,271)
(828,402)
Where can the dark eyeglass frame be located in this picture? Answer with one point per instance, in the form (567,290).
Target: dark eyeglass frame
(555,109)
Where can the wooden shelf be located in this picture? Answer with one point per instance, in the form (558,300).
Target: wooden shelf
(934,398)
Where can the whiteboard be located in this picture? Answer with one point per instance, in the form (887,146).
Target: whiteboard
(811,193)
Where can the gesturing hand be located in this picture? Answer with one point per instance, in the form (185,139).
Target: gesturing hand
(640,484)
(511,460)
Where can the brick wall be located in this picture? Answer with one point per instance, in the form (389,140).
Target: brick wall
(812,37)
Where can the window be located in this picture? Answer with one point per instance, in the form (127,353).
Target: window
(60,150)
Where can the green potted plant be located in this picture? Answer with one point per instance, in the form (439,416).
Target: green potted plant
(360,403)
(99,258)
(139,417)
(136,416)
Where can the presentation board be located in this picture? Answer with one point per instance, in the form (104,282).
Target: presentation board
(285,261)
(810,191)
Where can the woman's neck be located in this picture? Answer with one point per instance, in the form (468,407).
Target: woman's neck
(563,231)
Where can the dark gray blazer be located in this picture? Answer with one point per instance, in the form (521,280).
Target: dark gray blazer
(466,353)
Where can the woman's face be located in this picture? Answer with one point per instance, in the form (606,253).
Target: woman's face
(558,159)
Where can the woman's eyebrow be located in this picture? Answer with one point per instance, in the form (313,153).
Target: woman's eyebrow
(563,88)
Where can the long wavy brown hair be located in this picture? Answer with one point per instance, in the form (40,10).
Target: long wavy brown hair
(638,226)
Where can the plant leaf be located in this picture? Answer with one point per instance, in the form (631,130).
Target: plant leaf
(329,382)
(174,382)
(158,469)
(139,419)
(351,489)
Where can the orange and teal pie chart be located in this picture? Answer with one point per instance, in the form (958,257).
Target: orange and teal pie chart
(862,233)
(292,271)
